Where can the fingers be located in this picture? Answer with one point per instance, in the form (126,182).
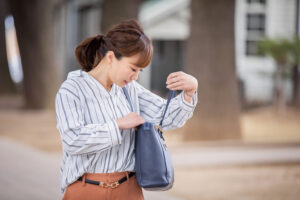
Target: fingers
(174,80)
(174,75)
(176,85)
(131,120)
(137,118)
(141,120)
(181,81)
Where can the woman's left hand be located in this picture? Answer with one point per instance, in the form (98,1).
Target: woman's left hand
(182,81)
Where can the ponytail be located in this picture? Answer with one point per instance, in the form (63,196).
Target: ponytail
(90,51)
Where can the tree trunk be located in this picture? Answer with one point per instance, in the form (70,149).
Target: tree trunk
(296,69)
(279,89)
(114,11)
(6,84)
(296,87)
(211,59)
(34,26)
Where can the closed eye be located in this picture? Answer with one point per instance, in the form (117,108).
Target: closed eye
(134,70)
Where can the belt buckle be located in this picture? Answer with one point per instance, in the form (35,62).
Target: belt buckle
(109,185)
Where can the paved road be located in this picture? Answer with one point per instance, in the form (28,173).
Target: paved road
(27,173)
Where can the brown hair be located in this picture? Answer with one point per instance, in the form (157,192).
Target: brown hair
(124,39)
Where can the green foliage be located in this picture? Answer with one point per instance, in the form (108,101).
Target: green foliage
(284,52)
(295,51)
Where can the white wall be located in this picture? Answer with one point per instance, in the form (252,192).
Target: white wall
(256,72)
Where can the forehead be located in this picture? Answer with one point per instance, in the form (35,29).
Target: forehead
(134,60)
(139,60)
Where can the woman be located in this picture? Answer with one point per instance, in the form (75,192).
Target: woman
(94,119)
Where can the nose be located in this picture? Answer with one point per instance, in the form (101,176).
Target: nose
(135,76)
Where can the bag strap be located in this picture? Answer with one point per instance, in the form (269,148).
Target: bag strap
(171,94)
(128,98)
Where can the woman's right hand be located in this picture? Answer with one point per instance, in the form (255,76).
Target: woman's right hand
(131,120)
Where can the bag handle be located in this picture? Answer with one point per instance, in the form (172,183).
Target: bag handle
(171,94)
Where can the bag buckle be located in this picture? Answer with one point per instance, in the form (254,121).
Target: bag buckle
(109,185)
(159,128)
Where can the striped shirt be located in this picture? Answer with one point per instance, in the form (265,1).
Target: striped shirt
(86,119)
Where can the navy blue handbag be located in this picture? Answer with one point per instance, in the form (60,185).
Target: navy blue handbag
(154,168)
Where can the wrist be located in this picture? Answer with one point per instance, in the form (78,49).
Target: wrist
(190,93)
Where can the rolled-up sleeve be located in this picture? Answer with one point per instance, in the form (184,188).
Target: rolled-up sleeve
(152,108)
(78,138)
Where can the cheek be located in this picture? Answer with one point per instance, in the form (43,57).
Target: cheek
(124,72)
(121,74)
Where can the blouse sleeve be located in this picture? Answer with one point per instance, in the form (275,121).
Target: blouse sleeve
(78,138)
(152,107)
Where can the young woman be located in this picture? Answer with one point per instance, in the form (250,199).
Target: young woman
(95,122)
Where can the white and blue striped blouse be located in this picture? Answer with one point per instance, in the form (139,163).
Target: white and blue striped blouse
(86,119)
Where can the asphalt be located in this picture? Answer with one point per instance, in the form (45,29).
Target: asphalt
(27,173)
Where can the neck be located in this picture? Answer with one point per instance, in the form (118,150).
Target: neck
(100,73)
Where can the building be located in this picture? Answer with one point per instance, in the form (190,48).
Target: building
(166,22)
(254,20)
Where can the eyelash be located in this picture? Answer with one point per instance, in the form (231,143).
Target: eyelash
(134,70)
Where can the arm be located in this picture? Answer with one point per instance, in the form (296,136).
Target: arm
(80,138)
(152,107)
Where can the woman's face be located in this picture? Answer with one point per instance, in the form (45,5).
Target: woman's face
(124,71)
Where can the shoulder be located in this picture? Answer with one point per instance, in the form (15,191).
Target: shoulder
(70,86)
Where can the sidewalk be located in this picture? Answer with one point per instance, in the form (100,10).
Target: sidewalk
(218,154)
(30,174)
(27,173)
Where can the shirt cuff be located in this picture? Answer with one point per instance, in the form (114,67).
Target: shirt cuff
(114,132)
(186,105)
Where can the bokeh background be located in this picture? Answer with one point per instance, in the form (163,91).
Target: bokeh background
(243,142)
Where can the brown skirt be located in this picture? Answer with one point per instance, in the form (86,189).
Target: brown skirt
(128,190)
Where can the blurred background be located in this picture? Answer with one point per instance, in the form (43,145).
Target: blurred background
(243,141)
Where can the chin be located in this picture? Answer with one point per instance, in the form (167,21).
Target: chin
(125,83)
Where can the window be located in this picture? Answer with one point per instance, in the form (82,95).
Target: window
(256,22)
(252,47)
(256,1)
(256,27)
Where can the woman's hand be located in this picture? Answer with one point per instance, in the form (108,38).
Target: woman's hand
(131,120)
(182,81)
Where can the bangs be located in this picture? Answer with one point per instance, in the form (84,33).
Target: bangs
(145,55)
(135,44)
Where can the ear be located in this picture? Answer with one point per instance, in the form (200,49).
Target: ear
(110,56)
